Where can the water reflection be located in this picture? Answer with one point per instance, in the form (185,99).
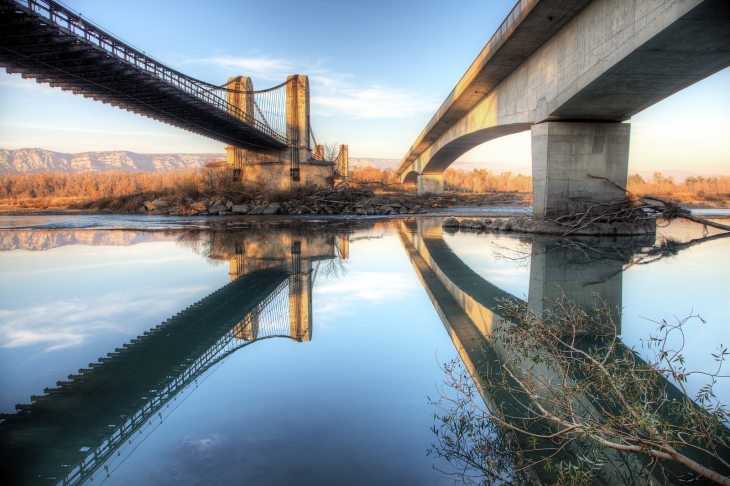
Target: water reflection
(579,268)
(68,433)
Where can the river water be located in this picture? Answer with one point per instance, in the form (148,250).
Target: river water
(170,351)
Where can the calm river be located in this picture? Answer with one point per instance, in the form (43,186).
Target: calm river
(161,351)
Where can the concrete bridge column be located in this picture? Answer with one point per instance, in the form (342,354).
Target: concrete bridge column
(431,184)
(344,161)
(241,106)
(297,122)
(566,154)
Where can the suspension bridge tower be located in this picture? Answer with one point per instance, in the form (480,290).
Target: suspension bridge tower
(285,106)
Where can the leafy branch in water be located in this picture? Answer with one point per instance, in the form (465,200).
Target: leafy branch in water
(568,403)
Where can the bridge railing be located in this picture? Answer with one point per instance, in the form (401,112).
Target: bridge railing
(85,31)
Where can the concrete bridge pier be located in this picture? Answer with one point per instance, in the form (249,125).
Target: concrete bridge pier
(430,184)
(275,169)
(564,157)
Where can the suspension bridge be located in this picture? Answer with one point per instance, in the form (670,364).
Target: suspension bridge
(268,133)
(70,432)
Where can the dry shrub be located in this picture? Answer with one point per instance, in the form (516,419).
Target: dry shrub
(481,180)
(373,174)
(123,187)
(660,185)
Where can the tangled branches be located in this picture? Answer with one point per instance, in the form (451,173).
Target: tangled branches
(574,405)
(633,210)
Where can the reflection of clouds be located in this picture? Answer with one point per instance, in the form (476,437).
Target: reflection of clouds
(70,323)
(200,449)
(24,272)
(375,287)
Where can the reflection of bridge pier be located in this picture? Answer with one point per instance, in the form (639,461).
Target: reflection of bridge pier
(291,251)
(561,268)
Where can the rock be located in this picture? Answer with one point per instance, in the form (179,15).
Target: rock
(505,226)
(272,208)
(487,221)
(223,211)
(149,206)
(160,203)
(240,208)
(360,211)
(142,209)
(258,210)
(450,223)
(370,210)
(198,206)
(216,207)
(229,204)
(403,210)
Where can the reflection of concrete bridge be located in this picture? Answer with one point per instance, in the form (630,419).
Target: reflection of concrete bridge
(468,304)
(70,431)
(268,132)
(571,71)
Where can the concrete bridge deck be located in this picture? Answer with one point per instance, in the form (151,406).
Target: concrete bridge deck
(586,64)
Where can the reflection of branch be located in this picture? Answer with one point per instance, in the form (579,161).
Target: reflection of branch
(334,268)
(636,254)
(520,257)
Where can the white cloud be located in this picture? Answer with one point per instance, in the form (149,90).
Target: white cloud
(260,67)
(372,102)
(333,94)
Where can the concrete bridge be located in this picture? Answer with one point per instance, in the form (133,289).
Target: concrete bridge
(572,72)
(468,307)
(268,132)
(66,434)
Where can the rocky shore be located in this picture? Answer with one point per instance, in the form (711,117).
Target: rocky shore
(223,207)
(528,224)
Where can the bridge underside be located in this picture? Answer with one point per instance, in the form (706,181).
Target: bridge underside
(38,49)
(612,60)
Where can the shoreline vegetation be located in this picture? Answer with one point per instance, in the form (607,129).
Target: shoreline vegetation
(370,191)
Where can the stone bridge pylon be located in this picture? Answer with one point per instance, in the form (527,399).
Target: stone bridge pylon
(302,161)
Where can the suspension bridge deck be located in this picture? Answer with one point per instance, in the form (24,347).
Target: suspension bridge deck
(44,41)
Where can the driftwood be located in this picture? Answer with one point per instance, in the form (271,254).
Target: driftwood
(632,209)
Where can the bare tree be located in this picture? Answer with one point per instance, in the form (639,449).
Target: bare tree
(569,400)
(331,151)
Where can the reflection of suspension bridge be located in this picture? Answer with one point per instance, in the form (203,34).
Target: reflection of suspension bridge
(64,436)
(42,40)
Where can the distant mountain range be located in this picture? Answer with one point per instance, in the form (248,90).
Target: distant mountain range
(34,160)
(29,161)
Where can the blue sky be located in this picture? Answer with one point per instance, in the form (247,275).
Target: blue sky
(378,70)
